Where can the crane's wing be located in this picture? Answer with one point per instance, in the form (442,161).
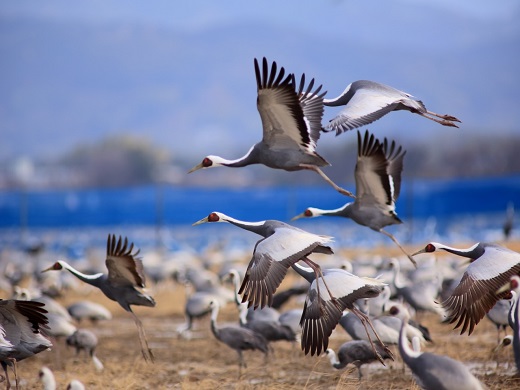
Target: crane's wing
(365,102)
(124,268)
(17,315)
(321,315)
(394,156)
(289,119)
(372,180)
(271,259)
(476,293)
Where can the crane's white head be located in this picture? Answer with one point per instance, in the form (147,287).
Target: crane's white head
(308,213)
(57,266)
(430,248)
(209,162)
(212,217)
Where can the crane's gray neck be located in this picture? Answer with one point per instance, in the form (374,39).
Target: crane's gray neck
(306,272)
(343,211)
(255,227)
(407,353)
(90,279)
(473,252)
(248,159)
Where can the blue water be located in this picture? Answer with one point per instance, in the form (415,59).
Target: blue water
(426,207)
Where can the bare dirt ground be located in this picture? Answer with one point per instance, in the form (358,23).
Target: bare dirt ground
(204,363)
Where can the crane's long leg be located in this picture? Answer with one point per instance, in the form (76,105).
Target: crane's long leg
(317,271)
(446,120)
(328,180)
(364,320)
(391,236)
(146,351)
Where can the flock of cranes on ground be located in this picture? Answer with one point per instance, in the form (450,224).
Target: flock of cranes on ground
(291,116)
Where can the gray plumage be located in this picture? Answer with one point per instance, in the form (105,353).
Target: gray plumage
(83,340)
(367,101)
(322,312)
(357,352)
(22,324)
(122,283)
(435,372)
(236,337)
(491,267)
(282,246)
(378,185)
(291,121)
(92,311)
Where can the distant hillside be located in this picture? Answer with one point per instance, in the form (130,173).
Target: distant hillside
(68,83)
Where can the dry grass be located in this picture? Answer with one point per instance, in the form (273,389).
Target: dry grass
(203,363)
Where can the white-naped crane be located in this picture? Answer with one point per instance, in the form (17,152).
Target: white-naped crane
(499,315)
(122,284)
(514,317)
(291,120)
(236,337)
(22,324)
(271,329)
(432,371)
(282,246)
(90,310)
(356,352)
(491,267)
(378,185)
(321,313)
(86,340)
(366,101)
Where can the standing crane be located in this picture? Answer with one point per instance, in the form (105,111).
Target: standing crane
(291,122)
(491,267)
(282,246)
(21,327)
(237,337)
(125,276)
(378,184)
(357,352)
(432,371)
(367,101)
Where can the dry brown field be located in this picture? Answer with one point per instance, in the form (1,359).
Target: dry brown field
(203,363)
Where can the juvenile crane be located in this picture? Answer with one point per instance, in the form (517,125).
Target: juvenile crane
(291,122)
(125,276)
(21,326)
(282,246)
(378,184)
(491,267)
(367,101)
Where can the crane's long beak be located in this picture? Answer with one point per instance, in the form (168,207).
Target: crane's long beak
(203,220)
(423,250)
(302,215)
(504,288)
(48,269)
(196,167)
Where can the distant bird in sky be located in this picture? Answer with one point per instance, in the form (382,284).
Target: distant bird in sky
(291,120)
(282,246)
(378,185)
(321,313)
(125,276)
(491,267)
(432,371)
(367,101)
(21,326)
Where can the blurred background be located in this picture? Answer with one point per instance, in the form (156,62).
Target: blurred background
(106,104)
